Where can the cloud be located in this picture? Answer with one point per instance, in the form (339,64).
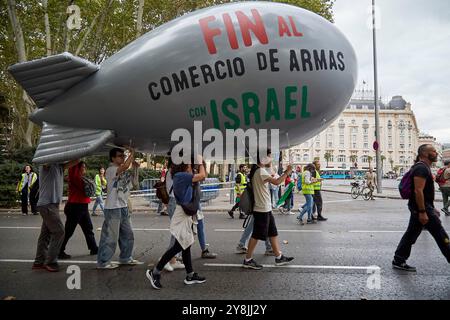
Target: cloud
(413,48)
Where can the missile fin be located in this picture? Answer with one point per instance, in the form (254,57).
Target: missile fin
(47,78)
(60,144)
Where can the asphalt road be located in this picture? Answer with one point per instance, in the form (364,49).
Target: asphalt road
(333,259)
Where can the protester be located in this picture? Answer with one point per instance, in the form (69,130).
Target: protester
(274,190)
(181,224)
(308,191)
(242,248)
(371,180)
(423,212)
(162,208)
(100,184)
(52,229)
(77,212)
(264,222)
(317,197)
(25,187)
(241,183)
(117,224)
(443,179)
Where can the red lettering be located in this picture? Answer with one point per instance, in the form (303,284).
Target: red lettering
(294,29)
(209,34)
(230,31)
(283,28)
(257,27)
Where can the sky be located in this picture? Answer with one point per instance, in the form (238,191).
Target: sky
(413,48)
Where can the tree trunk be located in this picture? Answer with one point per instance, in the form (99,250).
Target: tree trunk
(86,35)
(139,18)
(47,28)
(95,48)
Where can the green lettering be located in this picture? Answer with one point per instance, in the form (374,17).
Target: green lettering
(249,109)
(289,102)
(230,102)
(305,113)
(273,109)
(215,116)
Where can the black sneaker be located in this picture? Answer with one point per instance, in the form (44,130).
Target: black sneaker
(283,260)
(93,252)
(64,256)
(154,279)
(320,218)
(403,266)
(251,265)
(231,214)
(194,279)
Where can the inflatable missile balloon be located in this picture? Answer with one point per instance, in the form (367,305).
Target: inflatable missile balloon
(242,65)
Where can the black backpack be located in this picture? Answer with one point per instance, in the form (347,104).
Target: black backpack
(238,178)
(247,199)
(192,207)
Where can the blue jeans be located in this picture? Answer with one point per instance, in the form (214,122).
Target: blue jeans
(99,202)
(274,194)
(308,207)
(248,233)
(201,234)
(116,228)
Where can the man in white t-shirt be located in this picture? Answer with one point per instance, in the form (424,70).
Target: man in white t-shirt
(117,225)
(264,222)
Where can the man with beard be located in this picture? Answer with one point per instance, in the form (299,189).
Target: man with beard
(423,212)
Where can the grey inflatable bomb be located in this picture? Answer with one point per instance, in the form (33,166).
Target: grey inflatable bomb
(241,65)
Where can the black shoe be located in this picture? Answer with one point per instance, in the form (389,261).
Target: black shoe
(194,279)
(251,265)
(35,213)
(403,266)
(320,218)
(242,216)
(64,256)
(94,252)
(231,214)
(154,279)
(283,260)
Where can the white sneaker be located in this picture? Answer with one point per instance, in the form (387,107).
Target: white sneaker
(290,213)
(168,267)
(131,262)
(176,265)
(109,266)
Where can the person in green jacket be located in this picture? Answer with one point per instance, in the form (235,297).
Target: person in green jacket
(26,189)
(100,183)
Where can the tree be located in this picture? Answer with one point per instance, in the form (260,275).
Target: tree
(327,157)
(353,158)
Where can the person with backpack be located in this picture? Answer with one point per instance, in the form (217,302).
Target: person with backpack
(186,190)
(418,186)
(117,225)
(241,183)
(443,180)
(100,190)
(264,223)
(77,212)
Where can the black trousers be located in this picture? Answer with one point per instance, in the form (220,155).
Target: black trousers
(24,199)
(318,202)
(34,197)
(434,226)
(78,214)
(172,252)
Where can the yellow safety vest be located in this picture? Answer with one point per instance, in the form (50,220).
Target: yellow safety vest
(30,183)
(240,187)
(318,184)
(307,188)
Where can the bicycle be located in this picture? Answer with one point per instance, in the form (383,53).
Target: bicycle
(361,189)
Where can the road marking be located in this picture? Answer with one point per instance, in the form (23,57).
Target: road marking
(293,266)
(59,261)
(347,200)
(98,229)
(297,231)
(20,227)
(145,229)
(375,231)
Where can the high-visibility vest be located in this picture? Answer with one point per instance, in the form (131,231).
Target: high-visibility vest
(318,184)
(99,184)
(307,188)
(33,178)
(240,187)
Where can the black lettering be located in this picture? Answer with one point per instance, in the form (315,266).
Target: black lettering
(207,73)
(262,61)
(241,69)
(194,76)
(340,57)
(321,62)
(293,61)
(230,69)
(332,61)
(180,82)
(166,88)
(273,60)
(152,94)
(306,59)
(219,75)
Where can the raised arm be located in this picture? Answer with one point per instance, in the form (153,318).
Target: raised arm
(279,180)
(126,165)
(201,175)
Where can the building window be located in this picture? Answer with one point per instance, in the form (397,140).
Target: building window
(366,146)
(402,139)
(317,144)
(353,121)
(354,130)
(365,159)
(306,157)
(365,131)
(390,146)
(341,158)
(341,123)
(402,160)
(341,141)
(389,124)
(354,145)
(402,146)
(366,138)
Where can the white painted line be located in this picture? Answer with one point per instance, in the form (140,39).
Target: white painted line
(293,266)
(98,229)
(347,200)
(20,228)
(376,231)
(59,261)
(296,231)
(144,229)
